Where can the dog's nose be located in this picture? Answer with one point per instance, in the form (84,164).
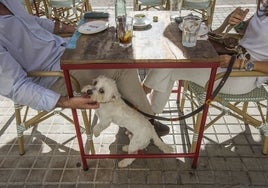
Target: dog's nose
(89,92)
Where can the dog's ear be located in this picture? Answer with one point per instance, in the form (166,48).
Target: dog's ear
(94,82)
(116,96)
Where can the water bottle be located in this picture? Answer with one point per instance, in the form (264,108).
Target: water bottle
(120,8)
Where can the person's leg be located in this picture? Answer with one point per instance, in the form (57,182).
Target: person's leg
(162,83)
(160,80)
(129,86)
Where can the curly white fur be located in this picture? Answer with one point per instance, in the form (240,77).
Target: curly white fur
(113,110)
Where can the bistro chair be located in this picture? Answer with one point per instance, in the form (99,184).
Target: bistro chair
(28,5)
(148,4)
(203,7)
(25,120)
(34,7)
(66,11)
(229,104)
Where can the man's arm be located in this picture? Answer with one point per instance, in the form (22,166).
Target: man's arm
(61,28)
(82,102)
(261,66)
(16,85)
(55,27)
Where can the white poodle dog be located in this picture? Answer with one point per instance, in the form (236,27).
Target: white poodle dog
(114,110)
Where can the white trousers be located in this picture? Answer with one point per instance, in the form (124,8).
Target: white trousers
(162,81)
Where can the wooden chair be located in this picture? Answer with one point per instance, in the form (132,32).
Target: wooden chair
(228,103)
(147,4)
(67,11)
(34,7)
(231,104)
(203,7)
(28,5)
(24,122)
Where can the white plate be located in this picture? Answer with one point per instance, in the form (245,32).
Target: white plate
(203,29)
(142,25)
(93,27)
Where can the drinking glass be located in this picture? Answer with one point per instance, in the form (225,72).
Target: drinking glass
(124,29)
(191,26)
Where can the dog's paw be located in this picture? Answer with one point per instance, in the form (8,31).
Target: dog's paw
(125,162)
(169,150)
(125,148)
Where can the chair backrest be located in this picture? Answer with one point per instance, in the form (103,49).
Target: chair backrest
(155,4)
(67,11)
(204,7)
(196,4)
(28,5)
(235,105)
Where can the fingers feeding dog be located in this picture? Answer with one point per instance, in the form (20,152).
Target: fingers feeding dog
(114,110)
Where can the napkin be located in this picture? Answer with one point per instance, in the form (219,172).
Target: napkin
(96,15)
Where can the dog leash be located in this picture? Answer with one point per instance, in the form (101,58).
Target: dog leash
(199,109)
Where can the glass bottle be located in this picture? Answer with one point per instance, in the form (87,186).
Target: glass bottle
(120,8)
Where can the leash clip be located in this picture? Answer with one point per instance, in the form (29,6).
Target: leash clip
(208,102)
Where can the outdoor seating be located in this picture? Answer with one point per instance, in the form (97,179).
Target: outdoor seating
(233,105)
(229,104)
(34,7)
(25,118)
(155,4)
(66,11)
(24,115)
(203,7)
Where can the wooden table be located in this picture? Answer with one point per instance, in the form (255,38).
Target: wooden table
(159,46)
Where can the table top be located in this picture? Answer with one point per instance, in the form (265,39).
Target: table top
(160,42)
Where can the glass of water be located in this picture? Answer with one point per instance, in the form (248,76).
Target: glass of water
(190,29)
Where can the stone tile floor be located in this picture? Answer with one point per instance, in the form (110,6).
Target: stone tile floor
(230,154)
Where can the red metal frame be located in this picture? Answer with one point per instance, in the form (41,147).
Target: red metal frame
(67,67)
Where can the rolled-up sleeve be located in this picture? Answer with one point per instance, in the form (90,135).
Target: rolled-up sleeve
(15,84)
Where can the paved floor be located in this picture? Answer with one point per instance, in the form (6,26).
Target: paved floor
(230,155)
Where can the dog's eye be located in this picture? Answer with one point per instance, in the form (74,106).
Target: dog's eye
(95,83)
(101,90)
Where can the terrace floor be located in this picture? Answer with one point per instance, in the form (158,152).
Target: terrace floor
(230,154)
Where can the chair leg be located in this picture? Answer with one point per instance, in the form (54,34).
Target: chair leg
(19,130)
(181,99)
(87,5)
(264,130)
(167,7)
(22,125)
(87,124)
(265,145)
(196,131)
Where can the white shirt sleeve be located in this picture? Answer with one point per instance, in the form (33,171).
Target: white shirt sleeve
(45,23)
(15,84)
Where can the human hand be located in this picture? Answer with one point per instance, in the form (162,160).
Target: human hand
(62,28)
(81,102)
(225,60)
(67,28)
(237,16)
